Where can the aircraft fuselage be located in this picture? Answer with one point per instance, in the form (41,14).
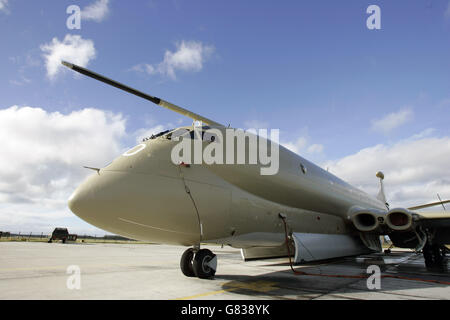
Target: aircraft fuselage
(144,195)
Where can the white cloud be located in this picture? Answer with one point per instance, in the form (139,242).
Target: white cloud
(296,146)
(42,158)
(189,57)
(415,169)
(303,147)
(97,11)
(315,148)
(73,48)
(392,121)
(143,68)
(4,5)
(24,80)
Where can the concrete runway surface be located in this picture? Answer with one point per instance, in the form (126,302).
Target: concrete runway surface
(140,271)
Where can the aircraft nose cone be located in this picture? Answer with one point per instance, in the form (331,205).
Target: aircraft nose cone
(75,201)
(153,208)
(83,201)
(72,201)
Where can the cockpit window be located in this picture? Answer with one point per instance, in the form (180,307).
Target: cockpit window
(191,134)
(154,136)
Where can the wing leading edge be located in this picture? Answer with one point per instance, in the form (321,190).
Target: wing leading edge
(155,100)
(423,206)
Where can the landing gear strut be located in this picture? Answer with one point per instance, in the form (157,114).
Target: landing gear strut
(434,255)
(201,263)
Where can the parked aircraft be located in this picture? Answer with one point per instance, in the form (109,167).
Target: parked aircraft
(144,195)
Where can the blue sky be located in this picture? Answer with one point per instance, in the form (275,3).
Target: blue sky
(310,68)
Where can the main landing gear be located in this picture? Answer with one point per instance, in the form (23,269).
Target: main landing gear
(200,263)
(434,255)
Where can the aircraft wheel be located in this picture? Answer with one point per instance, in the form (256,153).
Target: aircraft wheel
(205,264)
(186,263)
(428,255)
(434,255)
(438,254)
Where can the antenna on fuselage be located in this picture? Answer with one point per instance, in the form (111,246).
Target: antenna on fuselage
(155,100)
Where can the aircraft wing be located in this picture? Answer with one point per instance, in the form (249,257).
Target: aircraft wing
(155,100)
(434,219)
(423,206)
(434,226)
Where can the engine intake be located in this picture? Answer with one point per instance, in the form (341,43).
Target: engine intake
(399,219)
(365,221)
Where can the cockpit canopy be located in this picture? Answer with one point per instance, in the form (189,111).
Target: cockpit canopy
(183,132)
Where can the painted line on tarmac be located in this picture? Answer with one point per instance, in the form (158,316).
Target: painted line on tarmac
(206,294)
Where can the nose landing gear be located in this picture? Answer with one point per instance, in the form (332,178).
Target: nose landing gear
(198,263)
(186,263)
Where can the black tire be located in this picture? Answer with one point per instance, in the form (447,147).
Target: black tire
(186,263)
(50,241)
(201,269)
(428,256)
(434,256)
(438,255)
(64,241)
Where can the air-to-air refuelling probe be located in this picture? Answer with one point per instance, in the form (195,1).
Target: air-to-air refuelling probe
(300,209)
